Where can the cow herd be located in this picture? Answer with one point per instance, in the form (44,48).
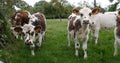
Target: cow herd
(32,27)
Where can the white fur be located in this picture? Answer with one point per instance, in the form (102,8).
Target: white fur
(100,20)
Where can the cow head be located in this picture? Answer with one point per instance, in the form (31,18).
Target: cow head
(16,19)
(85,14)
(30,30)
(20,18)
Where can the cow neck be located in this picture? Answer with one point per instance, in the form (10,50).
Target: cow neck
(85,27)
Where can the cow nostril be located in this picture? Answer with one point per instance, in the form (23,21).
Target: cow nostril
(27,40)
(92,22)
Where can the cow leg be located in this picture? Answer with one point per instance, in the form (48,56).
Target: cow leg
(43,36)
(69,37)
(85,46)
(32,49)
(115,48)
(77,45)
(40,40)
(96,35)
(15,34)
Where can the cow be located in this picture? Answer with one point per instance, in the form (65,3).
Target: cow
(35,30)
(117,35)
(20,18)
(100,20)
(78,27)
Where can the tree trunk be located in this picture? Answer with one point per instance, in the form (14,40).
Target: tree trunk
(94,3)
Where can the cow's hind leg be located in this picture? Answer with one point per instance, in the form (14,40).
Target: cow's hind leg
(15,34)
(115,48)
(69,38)
(43,36)
(39,40)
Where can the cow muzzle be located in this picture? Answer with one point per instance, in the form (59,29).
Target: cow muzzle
(85,21)
(28,42)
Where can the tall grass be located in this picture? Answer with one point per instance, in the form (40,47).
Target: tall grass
(55,50)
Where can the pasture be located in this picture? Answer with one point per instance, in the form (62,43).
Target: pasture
(55,50)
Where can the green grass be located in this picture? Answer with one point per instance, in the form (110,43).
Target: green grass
(55,50)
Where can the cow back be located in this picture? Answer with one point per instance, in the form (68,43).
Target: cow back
(41,21)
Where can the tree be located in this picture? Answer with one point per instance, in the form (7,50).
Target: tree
(6,10)
(95,3)
(113,7)
(111,0)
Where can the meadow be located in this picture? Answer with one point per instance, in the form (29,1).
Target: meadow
(54,48)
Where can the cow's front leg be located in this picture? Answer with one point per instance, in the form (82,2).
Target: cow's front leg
(85,39)
(96,35)
(32,49)
(77,45)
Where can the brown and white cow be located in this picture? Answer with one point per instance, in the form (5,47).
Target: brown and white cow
(117,35)
(78,27)
(20,18)
(35,30)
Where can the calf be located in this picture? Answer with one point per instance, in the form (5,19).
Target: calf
(18,20)
(117,35)
(35,30)
(78,26)
(99,21)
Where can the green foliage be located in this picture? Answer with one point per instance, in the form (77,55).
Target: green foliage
(113,7)
(54,9)
(55,50)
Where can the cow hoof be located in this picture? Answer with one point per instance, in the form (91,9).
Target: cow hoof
(85,56)
(115,54)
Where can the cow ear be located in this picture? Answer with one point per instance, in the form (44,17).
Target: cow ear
(18,29)
(96,10)
(38,28)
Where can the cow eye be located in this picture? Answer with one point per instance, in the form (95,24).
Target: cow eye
(81,15)
(90,14)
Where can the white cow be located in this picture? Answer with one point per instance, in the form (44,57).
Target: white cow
(117,35)
(78,27)
(100,20)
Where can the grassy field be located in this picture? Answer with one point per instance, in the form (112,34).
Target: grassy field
(55,50)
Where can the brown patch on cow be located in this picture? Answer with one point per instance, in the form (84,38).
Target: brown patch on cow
(71,27)
(37,29)
(77,24)
(119,13)
(18,29)
(95,11)
(75,11)
(118,26)
(22,18)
